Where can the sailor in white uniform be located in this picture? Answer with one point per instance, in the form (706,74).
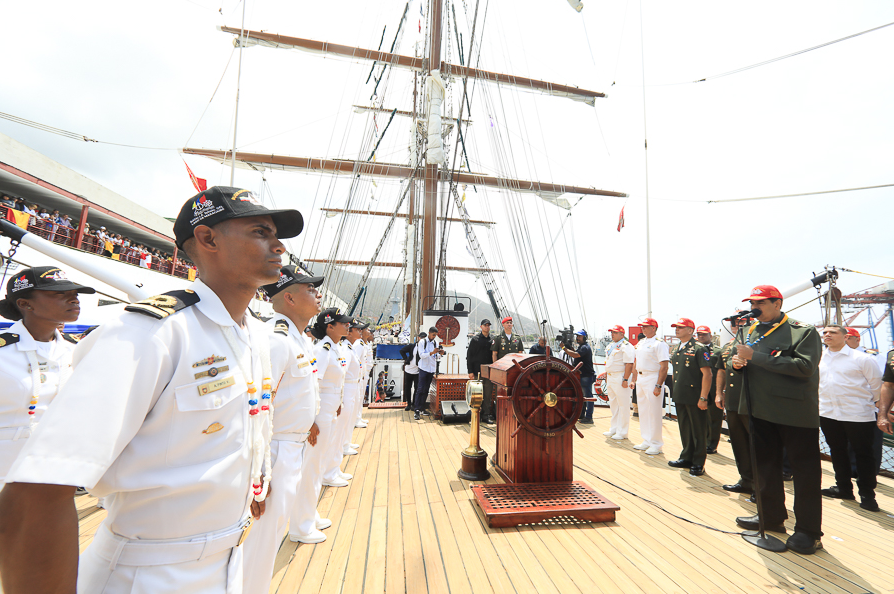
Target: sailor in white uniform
(165,412)
(333,475)
(619,358)
(35,358)
(295,300)
(652,359)
(305,524)
(366,387)
(354,374)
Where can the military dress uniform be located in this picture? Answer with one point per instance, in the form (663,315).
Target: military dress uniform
(353,396)
(365,381)
(736,422)
(157,405)
(618,356)
(332,361)
(296,405)
(650,352)
(688,359)
(29,370)
(783,380)
(502,345)
(715,414)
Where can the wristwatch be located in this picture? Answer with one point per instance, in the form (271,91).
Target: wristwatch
(702,399)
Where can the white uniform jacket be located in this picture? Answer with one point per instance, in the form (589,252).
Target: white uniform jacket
(618,355)
(354,356)
(297,400)
(156,413)
(330,372)
(17,381)
(650,352)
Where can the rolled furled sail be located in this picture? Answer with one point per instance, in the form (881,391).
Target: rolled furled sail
(576,5)
(435,89)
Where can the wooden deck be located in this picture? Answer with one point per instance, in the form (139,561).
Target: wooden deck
(408,524)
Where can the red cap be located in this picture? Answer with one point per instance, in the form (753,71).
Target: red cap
(506,319)
(702,329)
(853,332)
(617,328)
(684,323)
(763,292)
(649,322)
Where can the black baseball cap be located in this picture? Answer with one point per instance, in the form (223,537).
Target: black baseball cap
(359,324)
(332,315)
(485,322)
(291,275)
(222,203)
(39,278)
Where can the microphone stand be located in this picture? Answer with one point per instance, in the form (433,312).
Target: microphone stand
(759,538)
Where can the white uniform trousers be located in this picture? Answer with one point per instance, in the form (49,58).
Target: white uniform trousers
(363,391)
(335,446)
(352,402)
(618,402)
(650,409)
(304,511)
(207,563)
(267,533)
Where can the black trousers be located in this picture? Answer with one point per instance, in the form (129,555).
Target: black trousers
(693,433)
(739,439)
(802,446)
(860,436)
(411,380)
(715,422)
(425,379)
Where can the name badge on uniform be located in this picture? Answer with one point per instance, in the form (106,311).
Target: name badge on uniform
(220,384)
(302,364)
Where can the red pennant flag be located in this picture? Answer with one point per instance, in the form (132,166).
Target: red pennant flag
(621,220)
(200,184)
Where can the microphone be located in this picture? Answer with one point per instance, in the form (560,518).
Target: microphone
(743,314)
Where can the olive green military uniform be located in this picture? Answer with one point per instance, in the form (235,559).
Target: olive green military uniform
(715,415)
(688,360)
(736,422)
(502,345)
(783,380)
(888,374)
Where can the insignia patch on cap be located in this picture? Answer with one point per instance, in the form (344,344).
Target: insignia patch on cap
(246,196)
(21,283)
(54,274)
(202,209)
(283,279)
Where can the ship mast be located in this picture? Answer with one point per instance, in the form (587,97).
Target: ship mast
(430,196)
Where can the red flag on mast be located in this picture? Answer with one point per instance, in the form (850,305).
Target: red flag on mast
(200,184)
(621,220)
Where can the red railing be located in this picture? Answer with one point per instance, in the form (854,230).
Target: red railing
(66,236)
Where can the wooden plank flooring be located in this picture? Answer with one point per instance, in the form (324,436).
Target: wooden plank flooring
(407,524)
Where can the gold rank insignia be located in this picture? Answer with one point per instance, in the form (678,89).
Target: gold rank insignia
(213,428)
(209,361)
(213,371)
(301,355)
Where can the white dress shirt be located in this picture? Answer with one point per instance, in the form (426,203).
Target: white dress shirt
(427,361)
(650,352)
(618,355)
(849,385)
(133,423)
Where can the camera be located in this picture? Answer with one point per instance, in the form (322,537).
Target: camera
(566,338)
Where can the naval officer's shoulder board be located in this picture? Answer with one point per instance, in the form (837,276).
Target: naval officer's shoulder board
(281,327)
(8,338)
(161,306)
(71,338)
(327,345)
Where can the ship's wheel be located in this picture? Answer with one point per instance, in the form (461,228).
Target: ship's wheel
(448,329)
(547,398)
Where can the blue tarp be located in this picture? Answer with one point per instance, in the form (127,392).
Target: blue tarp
(389,351)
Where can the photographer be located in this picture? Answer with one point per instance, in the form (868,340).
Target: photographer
(427,354)
(587,374)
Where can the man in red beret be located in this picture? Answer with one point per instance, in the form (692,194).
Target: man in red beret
(503,344)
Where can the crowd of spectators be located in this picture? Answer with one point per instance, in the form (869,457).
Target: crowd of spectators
(58,228)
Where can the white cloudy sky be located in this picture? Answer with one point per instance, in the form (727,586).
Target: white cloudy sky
(142,74)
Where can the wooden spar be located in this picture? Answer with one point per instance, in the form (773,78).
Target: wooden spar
(400,112)
(379,213)
(430,178)
(397,60)
(392,170)
(396,265)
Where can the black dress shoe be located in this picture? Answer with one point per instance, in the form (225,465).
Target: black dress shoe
(697,470)
(681,463)
(712,450)
(408,408)
(752,499)
(869,504)
(835,493)
(489,420)
(751,523)
(737,488)
(802,543)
